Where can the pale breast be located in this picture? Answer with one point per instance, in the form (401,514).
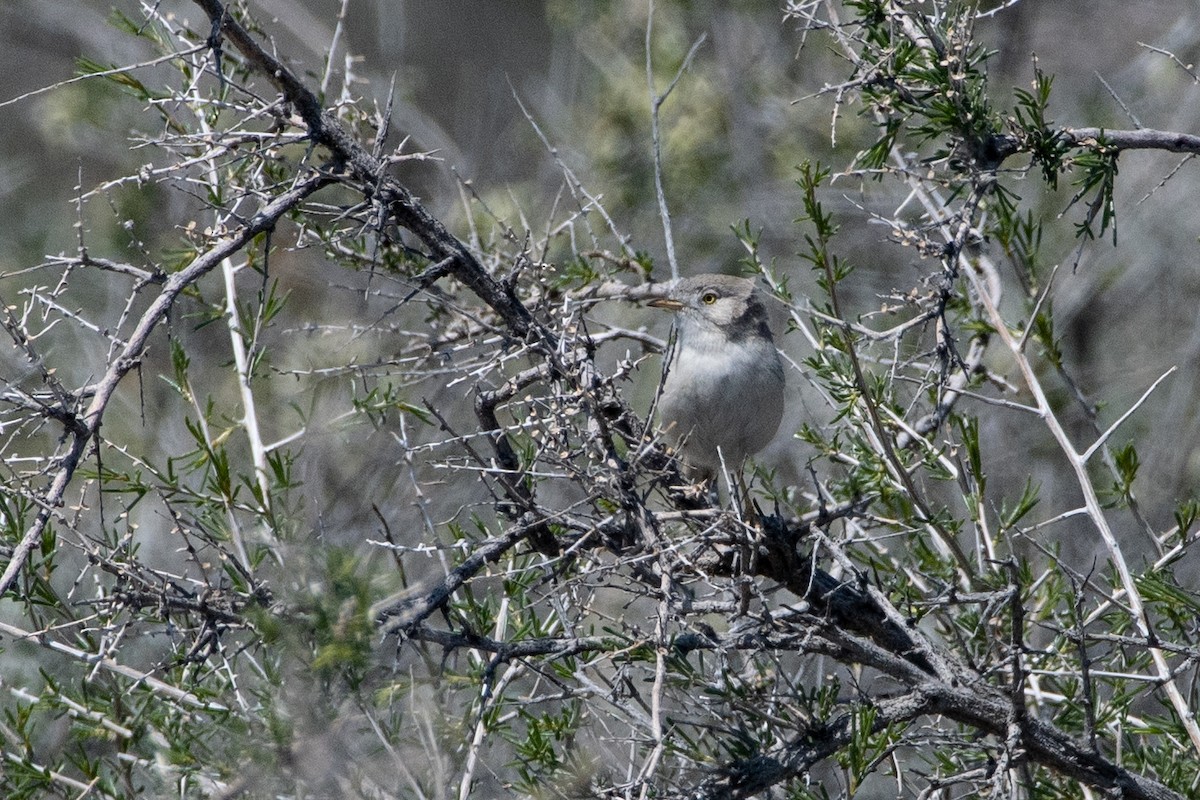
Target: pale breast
(723,402)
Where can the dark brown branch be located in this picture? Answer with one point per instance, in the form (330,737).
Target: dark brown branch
(396,614)
(552,647)
(844,610)
(325,129)
(842,602)
(510,475)
(984,710)
(753,776)
(970,701)
(856,630)
(989,711)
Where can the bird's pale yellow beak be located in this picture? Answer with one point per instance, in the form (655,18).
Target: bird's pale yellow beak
(666,302)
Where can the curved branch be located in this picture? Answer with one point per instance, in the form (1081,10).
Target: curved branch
(83,428)
(968,700)
(325,129)
(883,642)
(1044,744)
(849,625)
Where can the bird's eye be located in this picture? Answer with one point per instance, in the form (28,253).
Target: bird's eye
(708,298)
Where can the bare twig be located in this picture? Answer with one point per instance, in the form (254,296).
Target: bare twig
(656,103)
(1139,139)
(89,422)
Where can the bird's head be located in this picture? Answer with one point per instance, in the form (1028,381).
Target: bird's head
(722,302)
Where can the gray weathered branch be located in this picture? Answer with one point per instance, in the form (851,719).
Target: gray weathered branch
(1139,139)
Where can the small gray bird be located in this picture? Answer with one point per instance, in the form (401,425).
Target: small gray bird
(724,389)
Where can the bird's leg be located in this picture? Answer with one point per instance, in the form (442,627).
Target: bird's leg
(739,493)
(742,498)
(695,494)
(695,490)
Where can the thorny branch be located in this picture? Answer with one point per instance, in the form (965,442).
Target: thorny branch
(785,586)
(84,426)
(970,700)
